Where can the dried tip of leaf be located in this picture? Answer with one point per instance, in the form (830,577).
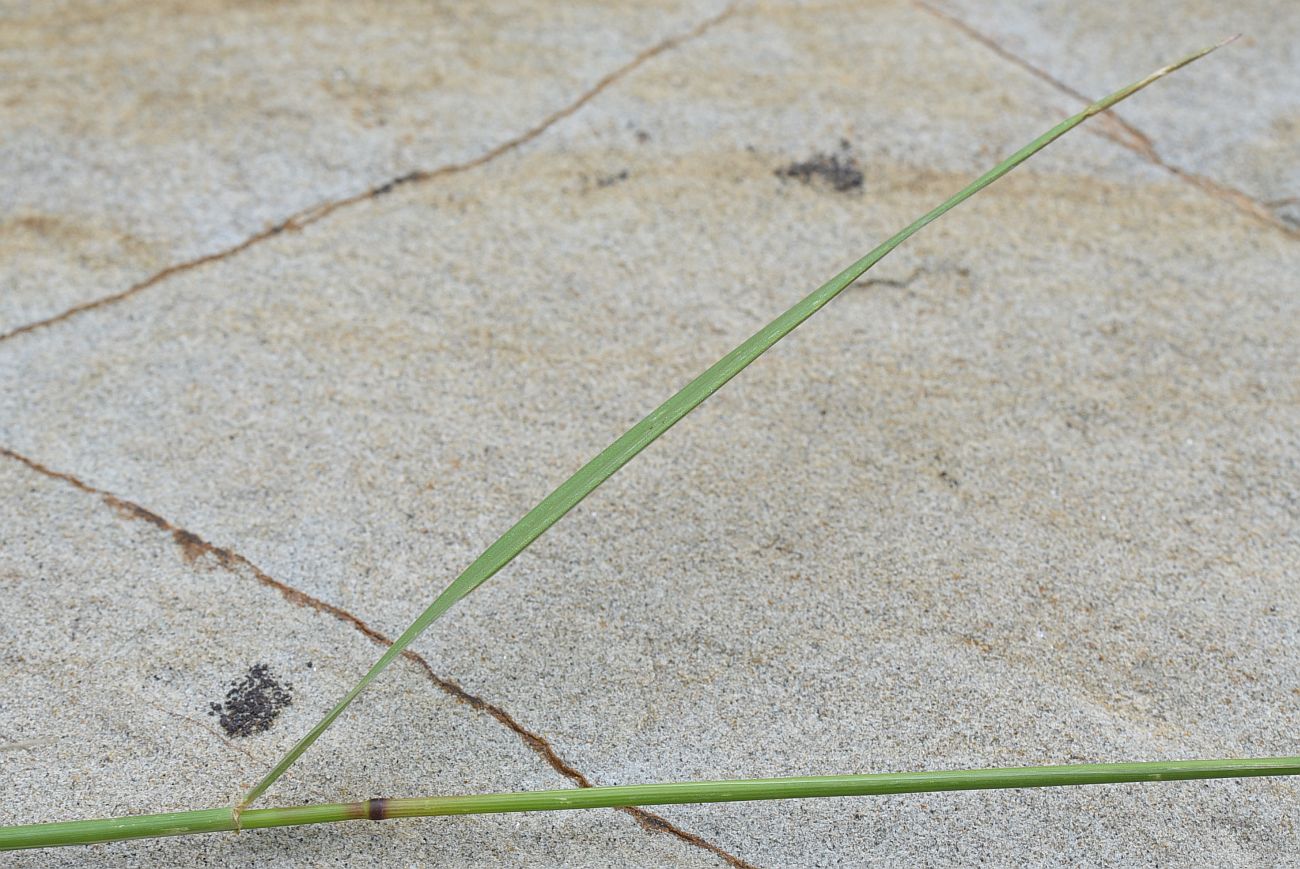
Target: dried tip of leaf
(1165,70)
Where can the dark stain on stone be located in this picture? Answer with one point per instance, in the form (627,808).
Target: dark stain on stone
(390,186)
(252,703)
(611,180)
(840,169)
(943,472)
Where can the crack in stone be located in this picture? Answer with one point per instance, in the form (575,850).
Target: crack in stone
(310,215)
(895,283)
(1122,132)
(194,547)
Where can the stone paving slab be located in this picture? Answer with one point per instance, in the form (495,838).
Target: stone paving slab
(142,135)
(1027,496)
(1081,45)
(119,636)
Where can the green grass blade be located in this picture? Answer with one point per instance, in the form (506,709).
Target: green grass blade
(224,820)
(662,418)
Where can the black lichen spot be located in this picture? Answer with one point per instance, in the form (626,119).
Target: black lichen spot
(839,170)
(252,703)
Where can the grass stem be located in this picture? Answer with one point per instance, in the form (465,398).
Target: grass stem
(879,784)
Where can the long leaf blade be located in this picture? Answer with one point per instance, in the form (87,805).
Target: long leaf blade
(583,482)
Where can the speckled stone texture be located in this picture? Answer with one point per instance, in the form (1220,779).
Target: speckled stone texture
(1029,493)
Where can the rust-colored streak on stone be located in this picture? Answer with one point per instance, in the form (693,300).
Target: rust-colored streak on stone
(132,511)
(193,547)
(141,286)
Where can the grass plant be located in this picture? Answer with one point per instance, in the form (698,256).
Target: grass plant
(563,499)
